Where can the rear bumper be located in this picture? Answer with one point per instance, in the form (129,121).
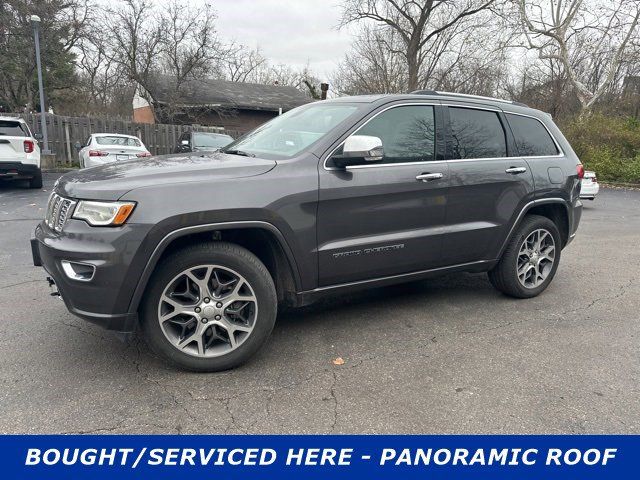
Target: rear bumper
(103,300)
(589,190)
(18,170)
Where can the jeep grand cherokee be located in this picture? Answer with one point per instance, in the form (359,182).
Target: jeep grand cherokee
(199,250)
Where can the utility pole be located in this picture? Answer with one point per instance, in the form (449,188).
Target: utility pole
(35,21)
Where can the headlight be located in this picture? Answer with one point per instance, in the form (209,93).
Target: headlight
(101,214)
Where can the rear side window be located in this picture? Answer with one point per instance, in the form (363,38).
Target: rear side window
(532,138)
(12,129)
(476,134)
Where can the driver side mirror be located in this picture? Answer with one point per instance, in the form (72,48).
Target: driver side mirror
(38,136)
(359,147)
(77,145)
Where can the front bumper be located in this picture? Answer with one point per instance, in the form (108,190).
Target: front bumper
(105,298)
(18,170)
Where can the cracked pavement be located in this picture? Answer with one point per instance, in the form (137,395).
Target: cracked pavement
(447,355)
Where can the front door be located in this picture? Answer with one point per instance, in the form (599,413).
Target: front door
(385,217)
(489,184)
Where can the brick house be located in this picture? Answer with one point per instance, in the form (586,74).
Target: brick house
(216,103)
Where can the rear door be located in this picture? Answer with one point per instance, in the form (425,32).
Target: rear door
(385,218)
(489,183)
(12,137)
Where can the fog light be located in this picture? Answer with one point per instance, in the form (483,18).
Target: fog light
(78,271)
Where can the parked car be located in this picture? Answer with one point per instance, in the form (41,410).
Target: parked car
(19,152)
(202,142)
(590,187)
(101,148)
(330,197)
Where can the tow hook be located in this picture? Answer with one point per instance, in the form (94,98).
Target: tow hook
(52,285)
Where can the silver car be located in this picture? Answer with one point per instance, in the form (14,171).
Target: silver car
(101,148)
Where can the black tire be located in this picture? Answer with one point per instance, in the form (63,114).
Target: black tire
(36,181)
(225,255)
(504,275)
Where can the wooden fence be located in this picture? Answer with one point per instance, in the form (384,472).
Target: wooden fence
(65,132)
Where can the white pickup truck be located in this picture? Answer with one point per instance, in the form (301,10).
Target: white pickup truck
(19,152)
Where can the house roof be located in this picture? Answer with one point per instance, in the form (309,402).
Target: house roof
(222,93)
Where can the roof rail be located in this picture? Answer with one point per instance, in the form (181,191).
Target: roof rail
(465,95)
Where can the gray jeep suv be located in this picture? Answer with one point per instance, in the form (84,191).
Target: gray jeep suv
(199,250)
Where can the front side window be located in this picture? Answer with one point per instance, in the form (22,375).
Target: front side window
(532,138)
(407,134)
(476,134)
(287,135)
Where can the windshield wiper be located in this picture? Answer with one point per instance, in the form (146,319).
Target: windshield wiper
(239,152)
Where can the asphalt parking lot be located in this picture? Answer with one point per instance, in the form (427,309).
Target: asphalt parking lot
(448,355)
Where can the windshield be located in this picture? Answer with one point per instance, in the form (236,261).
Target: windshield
(287,135)
(120,141)
(12,129)
(211,140)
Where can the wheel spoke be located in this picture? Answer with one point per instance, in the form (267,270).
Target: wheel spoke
(178,309)
(203,284)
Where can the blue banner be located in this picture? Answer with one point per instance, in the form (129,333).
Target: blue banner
(319,456)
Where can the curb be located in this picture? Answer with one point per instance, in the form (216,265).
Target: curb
(58,170)
(621,186)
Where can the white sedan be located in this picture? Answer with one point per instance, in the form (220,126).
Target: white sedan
(101,148)
(590,187)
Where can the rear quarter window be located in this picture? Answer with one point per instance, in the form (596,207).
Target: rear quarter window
(9,128)
(532,137)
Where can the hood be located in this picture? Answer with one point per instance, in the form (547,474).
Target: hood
(111,181)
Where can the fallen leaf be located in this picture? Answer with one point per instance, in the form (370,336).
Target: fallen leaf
(338,361)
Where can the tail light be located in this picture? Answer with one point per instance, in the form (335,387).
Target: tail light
(97,153)
(28,146)
(580,171)
(143,154)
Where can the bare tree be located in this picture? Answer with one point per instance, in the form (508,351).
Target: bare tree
(589,39)
(242,64)
(135,39)
(417,23)
(189,45)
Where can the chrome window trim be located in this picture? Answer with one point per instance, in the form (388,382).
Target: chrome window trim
(445,103)
(408,104)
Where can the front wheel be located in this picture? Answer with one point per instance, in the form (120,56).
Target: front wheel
(209,307)
(530,260)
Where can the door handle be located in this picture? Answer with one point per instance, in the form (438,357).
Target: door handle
(515,170)
(428,177)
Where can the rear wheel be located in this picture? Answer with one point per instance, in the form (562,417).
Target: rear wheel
(209,307)
(530,259)
(36,181)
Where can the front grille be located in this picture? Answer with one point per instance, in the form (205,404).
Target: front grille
(59,210)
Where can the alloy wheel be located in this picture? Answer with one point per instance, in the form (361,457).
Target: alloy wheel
(536,258)
(207,310)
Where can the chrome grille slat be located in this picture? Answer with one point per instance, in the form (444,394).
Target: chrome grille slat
(59,209)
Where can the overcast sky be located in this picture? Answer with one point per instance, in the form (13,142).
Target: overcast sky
(291,32)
